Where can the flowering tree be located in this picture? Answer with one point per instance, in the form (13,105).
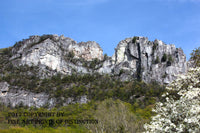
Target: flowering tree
(181,110)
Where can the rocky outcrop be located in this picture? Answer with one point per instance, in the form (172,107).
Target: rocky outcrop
(4,88)
(71,100)
(135,57)
(51,51)
(148,61)
(12,96)
(87,50)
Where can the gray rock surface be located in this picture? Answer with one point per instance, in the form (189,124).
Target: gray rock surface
(16,96)
(51,51)
(4,87)
(87,50)
(139,58)
(135,57)
(71,100)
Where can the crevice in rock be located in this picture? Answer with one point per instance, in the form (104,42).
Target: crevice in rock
(129,53)
(116,56)
(139,67)
(147,60)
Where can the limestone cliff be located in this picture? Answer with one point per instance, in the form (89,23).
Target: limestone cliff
(134,58)
(16,96)
(52,51)
(140,58)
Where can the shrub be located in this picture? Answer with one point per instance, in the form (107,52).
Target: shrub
(157,60)
(93,63)
(71,54)
(170,60)
(164,58)
(155,45)
(105,56)
(121,72)
(134,39)
(6,51)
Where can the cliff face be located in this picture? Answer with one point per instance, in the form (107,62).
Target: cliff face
(149,61)
(13,97)
(52,51)
(134,58)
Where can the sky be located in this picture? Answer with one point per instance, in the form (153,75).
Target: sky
(105,21)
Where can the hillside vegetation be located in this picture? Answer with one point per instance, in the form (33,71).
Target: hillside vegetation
(119,106)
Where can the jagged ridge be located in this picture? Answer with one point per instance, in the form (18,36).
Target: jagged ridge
(135,57)
(40,57)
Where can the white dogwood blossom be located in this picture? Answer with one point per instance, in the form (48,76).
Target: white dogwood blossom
(181,112)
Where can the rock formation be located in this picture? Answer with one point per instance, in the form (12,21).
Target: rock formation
(50,51)
(134,58)
(12,96)
(139,58)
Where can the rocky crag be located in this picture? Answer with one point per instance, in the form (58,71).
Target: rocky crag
(149,61)
(134,58)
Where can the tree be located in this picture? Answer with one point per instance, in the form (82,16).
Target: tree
(115,117)
(157,60)
(195,57)
(105,56)
(155,46)
(181,110)
(6,51)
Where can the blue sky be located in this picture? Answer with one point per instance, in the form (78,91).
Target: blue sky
(104,21)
